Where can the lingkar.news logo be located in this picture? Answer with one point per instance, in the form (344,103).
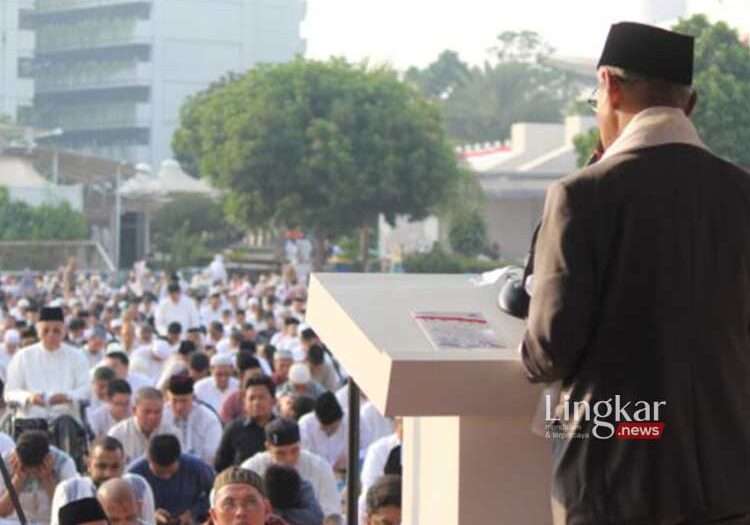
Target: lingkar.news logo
(610,418)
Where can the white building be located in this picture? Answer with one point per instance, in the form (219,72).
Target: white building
(114,73)
(16,52)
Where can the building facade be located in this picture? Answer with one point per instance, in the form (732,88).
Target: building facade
(114,73)
(16,52)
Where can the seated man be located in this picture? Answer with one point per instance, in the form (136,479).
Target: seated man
(106,462)
(149,359)
(245,436)
(116,409)
(199,429)
(292,498)
(284,448)
(120,504)
(216,388)
(325,432)
(119,361)
(135,432)
(35,468)
(384,502)
(48,378)
(95,345)
(199,366)
(300,382)
(181,482)
(86,511)
(239,499)
(282,362)
(233,405)
(100,378)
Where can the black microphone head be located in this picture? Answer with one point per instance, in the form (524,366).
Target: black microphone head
(513,298)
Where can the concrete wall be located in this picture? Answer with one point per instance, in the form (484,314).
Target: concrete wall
(510,224)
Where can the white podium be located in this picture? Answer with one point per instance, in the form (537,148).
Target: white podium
(469,455)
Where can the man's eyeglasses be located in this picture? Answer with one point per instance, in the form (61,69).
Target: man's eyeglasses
(593,100)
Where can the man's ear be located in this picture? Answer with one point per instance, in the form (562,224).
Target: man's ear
(691,103)
(611,87)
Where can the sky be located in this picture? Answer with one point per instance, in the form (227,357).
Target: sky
(414,32)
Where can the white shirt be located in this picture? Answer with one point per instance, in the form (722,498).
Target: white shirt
(374,466)
(138,381)
(101,421)
(144,363)
(207,391)
(374,424)
(34,500)
(7,445)
(209,315)
(314,440)
(313,469)
(79,488)
(34,369)
(200,434)
(134,442)
(183,312)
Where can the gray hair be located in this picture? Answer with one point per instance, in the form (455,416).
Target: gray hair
(148,393)
(654,91)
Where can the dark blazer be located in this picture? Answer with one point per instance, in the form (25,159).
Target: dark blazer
(642,289)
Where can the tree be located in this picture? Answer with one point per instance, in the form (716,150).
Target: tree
(191,228)
(722,81)
(441,77)
(322,145)
(21,222)
(585,144)
(468,233)
(517,84)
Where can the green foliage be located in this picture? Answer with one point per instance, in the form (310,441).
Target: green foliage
(190,229)
(585,144)
(439,261)
(468,233)
(21,222)
(440,78)
(517,84)
(323,145)
(722,81)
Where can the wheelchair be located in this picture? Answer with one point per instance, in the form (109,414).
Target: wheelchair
(65,432)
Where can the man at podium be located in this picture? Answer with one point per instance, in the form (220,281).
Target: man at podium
(641,307)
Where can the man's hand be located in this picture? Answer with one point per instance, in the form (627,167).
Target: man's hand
(162,517)
(59,399)
(19,471)
(47,471)
(186,518)
(341,463)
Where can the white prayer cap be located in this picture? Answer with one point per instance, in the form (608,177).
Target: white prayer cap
(215,290)
(222,360)
(114,346)
(299,374)
(23,303)
(161,348)
(253,301)
(12,337)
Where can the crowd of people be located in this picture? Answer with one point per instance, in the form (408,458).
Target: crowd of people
(164,401)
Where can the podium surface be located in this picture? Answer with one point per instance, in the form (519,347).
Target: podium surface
(468,453)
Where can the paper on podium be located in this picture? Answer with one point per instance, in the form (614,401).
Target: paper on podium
(368,322)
